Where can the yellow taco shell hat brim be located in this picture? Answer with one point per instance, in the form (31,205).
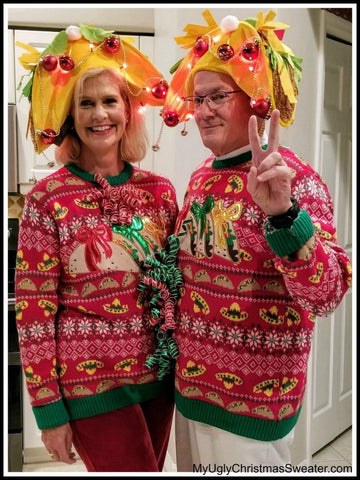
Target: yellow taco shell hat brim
(51,92)
(250,51)
(251,77)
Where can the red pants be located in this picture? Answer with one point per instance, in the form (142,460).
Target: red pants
(131,439)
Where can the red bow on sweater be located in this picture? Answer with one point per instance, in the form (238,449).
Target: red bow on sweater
(92,238)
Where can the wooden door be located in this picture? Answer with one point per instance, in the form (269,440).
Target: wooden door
(332,343)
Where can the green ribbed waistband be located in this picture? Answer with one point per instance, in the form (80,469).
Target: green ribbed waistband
(240,424)
(64,410)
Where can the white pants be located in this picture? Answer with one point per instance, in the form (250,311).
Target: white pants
(198,443)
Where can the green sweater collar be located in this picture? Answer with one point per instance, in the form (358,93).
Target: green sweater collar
(123,176)
(236,160)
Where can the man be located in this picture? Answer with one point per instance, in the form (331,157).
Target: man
(258,249)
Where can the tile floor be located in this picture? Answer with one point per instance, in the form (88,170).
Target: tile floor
(337,453)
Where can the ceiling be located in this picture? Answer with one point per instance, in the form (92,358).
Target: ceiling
(108,17)
(57,16)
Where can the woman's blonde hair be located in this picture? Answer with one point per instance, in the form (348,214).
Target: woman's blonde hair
(134,143)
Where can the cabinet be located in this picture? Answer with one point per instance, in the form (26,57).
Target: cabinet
(33,167)
(11,70)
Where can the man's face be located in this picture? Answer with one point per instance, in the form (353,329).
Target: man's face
(223,128)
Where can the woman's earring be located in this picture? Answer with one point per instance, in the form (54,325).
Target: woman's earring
(184,131)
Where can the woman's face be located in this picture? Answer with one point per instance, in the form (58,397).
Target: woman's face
(101,114)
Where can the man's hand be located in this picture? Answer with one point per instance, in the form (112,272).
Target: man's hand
(269,177)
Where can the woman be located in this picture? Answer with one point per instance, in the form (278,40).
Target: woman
(86,336)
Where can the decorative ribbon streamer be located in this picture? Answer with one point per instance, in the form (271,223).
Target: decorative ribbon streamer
(119,203)
(165,353)
(164,279)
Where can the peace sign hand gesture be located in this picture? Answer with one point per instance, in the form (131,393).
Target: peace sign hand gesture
(269,176)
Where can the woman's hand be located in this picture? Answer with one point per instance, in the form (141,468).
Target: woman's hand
(269,177)
(58,442)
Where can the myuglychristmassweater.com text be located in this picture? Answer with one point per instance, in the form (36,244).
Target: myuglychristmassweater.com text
(271,469)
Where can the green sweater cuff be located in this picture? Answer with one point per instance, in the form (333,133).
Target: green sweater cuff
(284,241)
(51,415)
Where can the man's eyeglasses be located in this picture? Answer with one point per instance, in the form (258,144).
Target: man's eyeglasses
(215,99)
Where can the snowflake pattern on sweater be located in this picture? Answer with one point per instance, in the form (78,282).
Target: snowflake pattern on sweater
(82,331)
(246,317)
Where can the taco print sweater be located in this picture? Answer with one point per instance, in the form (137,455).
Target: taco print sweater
(247,312)
(84,336)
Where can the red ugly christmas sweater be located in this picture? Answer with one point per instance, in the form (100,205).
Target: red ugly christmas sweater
(247,310)
(84,336)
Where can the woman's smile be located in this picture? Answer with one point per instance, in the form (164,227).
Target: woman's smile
(101,129)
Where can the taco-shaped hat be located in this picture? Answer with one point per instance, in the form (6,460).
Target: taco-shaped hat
(54,73)
(251,52)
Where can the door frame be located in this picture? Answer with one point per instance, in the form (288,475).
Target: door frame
(335,26)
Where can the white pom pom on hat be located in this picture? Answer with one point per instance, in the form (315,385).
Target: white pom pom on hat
(73,32)
(229,23)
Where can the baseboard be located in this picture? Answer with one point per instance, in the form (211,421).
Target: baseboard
(38,455)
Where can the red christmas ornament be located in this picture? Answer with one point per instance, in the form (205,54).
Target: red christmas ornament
(250,51)
(200,47)
(261,107)
(49,62)
(225,52)
(48,136)
(171,118)
(159,90)
(112,44)
(66,63)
